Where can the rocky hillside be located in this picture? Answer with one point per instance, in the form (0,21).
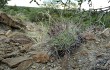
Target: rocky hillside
(30,46)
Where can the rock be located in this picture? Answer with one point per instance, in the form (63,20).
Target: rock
(108,45)
(25,47)
(11,54)
(41,57)
(8,33)
(89,36)
(52,65)
(24,65)
(2,32)
(97,42)
(1,52)
(4,40)
(106,32)
(20,38)
(4,27)
(1,58)
(83,53)
(43,68)
(100,64)
(32,52)
(107,64)
(34,67)
(14,62)
(30,27)
(5,19)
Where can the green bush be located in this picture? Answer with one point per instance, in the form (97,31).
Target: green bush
(63,40)
(38,17)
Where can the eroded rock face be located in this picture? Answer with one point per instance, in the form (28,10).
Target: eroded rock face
(10,52)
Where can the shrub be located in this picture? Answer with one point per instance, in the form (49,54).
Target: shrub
(63,40)
(38,16)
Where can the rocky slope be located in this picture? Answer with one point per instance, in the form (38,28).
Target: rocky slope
(19,50)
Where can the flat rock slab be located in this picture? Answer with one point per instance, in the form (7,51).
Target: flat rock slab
(24,65)
(10,54)
(5,19)
(14,62)
(20,38)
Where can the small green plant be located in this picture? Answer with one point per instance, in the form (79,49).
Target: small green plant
(63,40)
(32,17)
(38,16)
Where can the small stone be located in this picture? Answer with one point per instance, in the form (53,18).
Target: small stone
(25,47)
(1,53)
(33,67)
(43,68)
(106,32)
(98,65)
(2,32)
(20,38)
(8,33)
(80,60)
(89,36)
(49,64)
(41,57)
(97,42)
(53,65)
(108,45)
(1,58)
(56,68)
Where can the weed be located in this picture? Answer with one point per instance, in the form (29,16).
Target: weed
(63,40)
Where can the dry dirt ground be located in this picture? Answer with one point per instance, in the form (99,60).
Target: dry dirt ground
(28,50)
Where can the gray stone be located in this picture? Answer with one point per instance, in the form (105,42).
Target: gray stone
(13,62)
